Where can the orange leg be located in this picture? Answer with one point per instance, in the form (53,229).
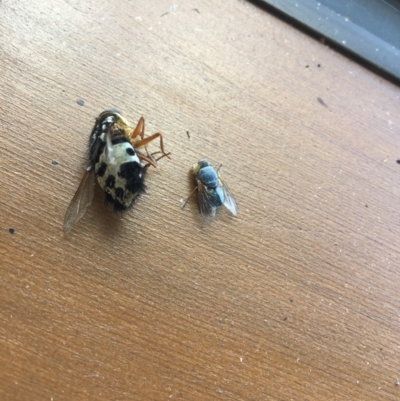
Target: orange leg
(143,142)
(146,141)
(150,161)
(139,130)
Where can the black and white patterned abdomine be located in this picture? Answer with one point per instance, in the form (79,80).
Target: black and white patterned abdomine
(116,164)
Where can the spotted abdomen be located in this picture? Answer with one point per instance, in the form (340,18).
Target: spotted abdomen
(120,174)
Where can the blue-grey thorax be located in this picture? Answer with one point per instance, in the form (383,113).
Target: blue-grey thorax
(209,178)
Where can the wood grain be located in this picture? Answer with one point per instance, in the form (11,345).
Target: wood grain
(295,299)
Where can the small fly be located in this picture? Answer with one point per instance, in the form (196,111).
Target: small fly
(212,190)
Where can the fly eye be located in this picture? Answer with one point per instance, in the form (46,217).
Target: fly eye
(130,152)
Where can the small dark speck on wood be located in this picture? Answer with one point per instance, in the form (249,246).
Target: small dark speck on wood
(320,101)
(81,102)
(162,15)
(307,66)
(54,162)
(318,65)
(195,9)
(398,161)
(285,318)
(11,230)
(187,133)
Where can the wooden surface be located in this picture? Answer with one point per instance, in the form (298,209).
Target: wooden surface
(295,299)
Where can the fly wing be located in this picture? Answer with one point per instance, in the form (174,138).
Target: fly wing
(82,199)
(205,205)
(229,200)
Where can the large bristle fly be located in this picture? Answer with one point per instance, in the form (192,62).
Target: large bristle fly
(118,160)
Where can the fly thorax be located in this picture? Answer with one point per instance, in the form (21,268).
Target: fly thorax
(208,176)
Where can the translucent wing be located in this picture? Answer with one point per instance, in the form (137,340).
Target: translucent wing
(205,204)
(229,200)
(82,199)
